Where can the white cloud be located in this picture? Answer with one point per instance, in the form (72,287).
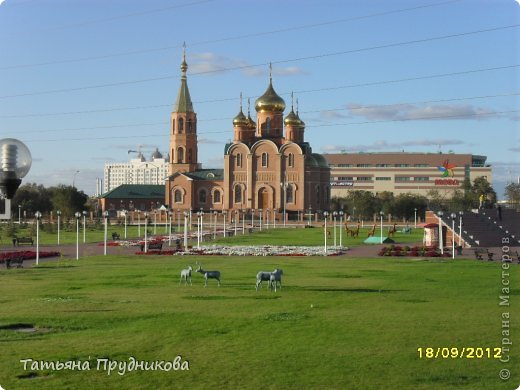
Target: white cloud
(1,1)
(209,63)
(418,112)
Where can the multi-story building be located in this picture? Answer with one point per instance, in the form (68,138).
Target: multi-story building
(137,171)
(416,173)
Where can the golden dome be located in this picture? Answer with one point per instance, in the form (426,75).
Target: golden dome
(300,122)
(270,101)
(292,119)
(251,122)
(240,120)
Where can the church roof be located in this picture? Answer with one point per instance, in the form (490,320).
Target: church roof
(136,191)
(206,174)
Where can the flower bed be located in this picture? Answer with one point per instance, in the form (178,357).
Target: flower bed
(415,251)
(26,255)
(267,250)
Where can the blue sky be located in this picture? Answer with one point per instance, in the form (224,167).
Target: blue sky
(84,81)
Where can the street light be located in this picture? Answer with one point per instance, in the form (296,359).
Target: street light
(84,225)
(381,214)
(334,215)
(125,214)
(58,213)
(415,217)
(170,213)
(19,214)
(243,221)
(145,232)
(199,228)
(38,216)
(155,222)
(224,214)
(453,216)
(267,218)
(15,162)
(236,213)
(138,223)
(215,224)
(105,215)
(460,227)
(252,219)
(441,244)
(325,214)
(341,213)
(260,212)
(185,231)
(78,216)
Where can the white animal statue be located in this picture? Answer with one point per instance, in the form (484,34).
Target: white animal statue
(186,275)
(209,275)
(276,278)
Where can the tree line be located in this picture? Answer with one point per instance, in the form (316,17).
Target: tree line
(365,204)
(35,197)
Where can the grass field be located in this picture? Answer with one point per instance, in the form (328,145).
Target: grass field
(278,236)
(338,323)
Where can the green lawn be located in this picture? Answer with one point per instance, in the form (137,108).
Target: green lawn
(338,323)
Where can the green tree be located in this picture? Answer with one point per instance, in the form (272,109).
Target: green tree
(68,200)
(32,197)
(385,202)
(482,187)
(512,193)
(405,206)
(362,204)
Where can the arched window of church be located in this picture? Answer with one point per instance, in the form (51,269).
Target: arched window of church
(216,196)
(291,160)
(190,125)
(190,155)
(239,160)
(173,126)
(180,155)
(238,194)
(289,194)
(265,160)
(202,196)
(181,125)
(177,196)
(318,194)
(268,125)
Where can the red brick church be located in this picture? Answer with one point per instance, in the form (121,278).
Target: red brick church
(267,166)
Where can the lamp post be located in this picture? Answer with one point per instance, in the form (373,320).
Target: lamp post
(201,224)
(236,212)
(224,214)
(460,227)
(334,215)
(138,223)
(453,216)
(155,222)
(105,214)
(199,228)
(19,214)
(58,213)
(145,232)
(38,216)
(215,224)
(185,231)
(267,218)
(441,244)
(310,216)
(252,219)
(178,220)
(243,221)
(325,214)
(78,216)
(170,227)
(381,214)
(125,214)
(84,226)
(260,213)
(341,213)
(15,162)
(415,218)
